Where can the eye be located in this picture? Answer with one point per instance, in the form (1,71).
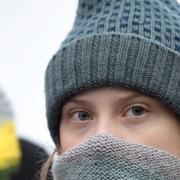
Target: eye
(81,116)
(136,111)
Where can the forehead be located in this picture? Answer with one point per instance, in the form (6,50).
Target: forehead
(109,95)
(114,91)
(115,95)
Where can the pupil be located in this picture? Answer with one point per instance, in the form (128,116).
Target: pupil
(138,110)
(83,115)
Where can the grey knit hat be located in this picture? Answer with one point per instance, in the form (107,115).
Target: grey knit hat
(5,108)
(128,43)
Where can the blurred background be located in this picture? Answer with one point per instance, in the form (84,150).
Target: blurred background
(30,33)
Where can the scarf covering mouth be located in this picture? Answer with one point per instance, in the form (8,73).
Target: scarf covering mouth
(105,157)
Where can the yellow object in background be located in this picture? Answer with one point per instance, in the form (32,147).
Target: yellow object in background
(9,146)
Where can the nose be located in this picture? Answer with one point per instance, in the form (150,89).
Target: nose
(109,126)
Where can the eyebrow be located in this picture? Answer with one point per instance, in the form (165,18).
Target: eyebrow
(79,102)
(118,100)
(129,97)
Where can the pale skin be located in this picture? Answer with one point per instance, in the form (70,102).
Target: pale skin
(123,113)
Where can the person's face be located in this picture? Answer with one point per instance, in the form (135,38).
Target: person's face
(120,112)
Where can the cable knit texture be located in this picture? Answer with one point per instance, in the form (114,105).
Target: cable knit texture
(105,157)
(129,43)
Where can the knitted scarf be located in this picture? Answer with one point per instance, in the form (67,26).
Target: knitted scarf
(105,157)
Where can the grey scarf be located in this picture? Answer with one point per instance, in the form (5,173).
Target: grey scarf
(104,157)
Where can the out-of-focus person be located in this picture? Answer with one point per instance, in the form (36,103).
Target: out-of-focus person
(20,159)
(9,146)
(32,158)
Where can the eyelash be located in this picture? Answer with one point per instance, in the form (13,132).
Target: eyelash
(145,109)
(73,113)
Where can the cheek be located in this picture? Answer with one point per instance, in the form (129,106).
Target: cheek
(66,139)
(70,136)
(164,135)
(170,140)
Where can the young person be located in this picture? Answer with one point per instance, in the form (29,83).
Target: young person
(113,92)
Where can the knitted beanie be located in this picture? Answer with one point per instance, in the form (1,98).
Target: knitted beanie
(127,43)
(5,108)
